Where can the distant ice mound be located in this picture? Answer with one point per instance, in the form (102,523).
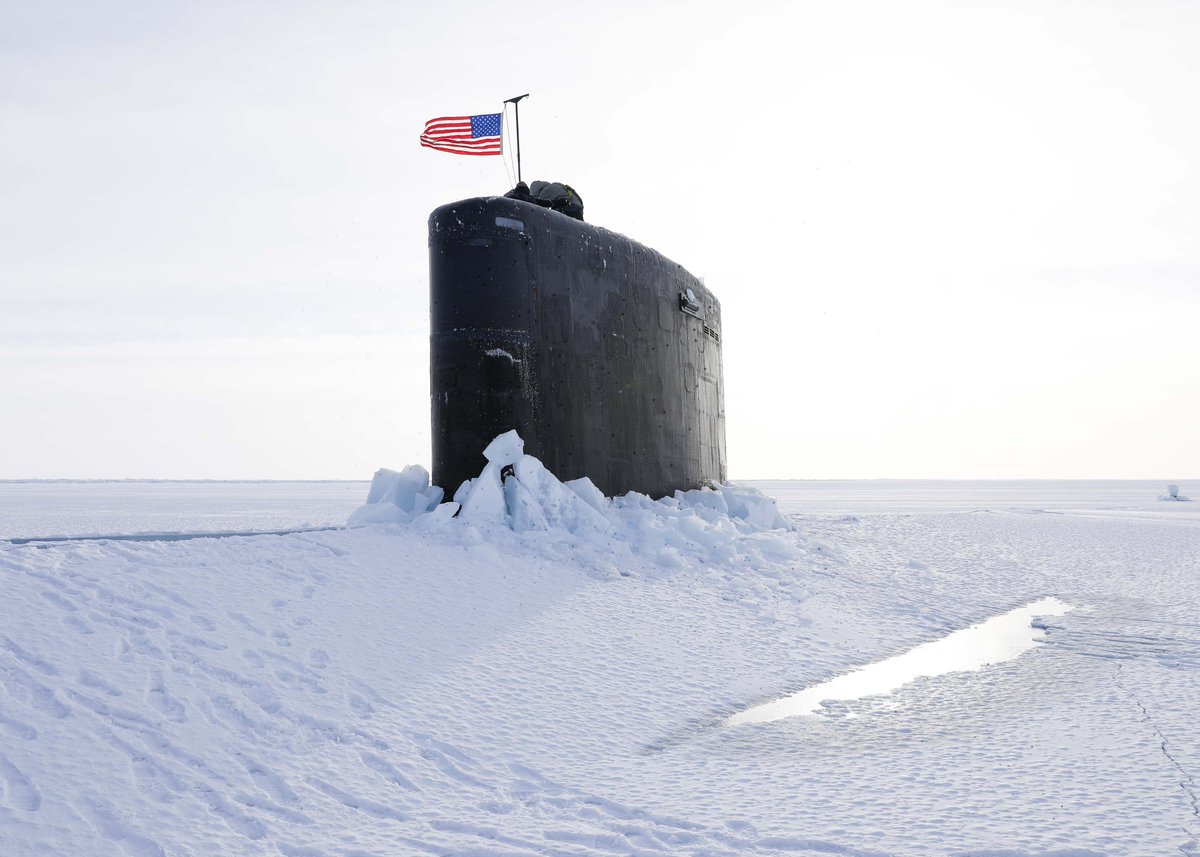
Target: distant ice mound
(516,494)
(1173,494)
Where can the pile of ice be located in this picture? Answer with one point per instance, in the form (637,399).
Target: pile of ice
(517,497)
(1173,494)
(397,498)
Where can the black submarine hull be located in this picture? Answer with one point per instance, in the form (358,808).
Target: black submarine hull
(603,354)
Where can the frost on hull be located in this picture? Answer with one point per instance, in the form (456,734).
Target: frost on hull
(604,355)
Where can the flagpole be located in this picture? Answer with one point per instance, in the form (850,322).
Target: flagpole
(516,103)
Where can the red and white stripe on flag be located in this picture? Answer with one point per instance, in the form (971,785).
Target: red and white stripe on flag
(464,135)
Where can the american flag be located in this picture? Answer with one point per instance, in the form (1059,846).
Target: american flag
(464,135)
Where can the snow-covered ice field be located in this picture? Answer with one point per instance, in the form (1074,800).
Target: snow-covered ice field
(32,509)
(466,689)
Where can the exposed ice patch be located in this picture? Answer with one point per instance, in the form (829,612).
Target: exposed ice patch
(993,641)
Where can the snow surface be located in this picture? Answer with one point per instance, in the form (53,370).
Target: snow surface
(467,686)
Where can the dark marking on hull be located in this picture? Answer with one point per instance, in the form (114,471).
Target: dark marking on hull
(603,354)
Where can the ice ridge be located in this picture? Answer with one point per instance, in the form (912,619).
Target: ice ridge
(516,494)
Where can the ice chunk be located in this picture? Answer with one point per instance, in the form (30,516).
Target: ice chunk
(524,511)
(383,484)
(505,449)
(703,497)
(400,489)
(485,500)
(433,496)
(560,506)
(397,497)
(438,517)
(755,508)
(587,491)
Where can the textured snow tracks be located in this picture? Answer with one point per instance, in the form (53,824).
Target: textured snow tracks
(188,698)
(19,791)
(162,674)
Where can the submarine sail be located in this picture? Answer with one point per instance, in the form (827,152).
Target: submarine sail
(603,354)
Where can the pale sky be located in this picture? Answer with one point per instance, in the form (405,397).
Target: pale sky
(950,239)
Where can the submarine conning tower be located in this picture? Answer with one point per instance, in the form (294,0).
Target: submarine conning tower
(603,354)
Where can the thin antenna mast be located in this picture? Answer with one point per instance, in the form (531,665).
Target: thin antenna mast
(516,103)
